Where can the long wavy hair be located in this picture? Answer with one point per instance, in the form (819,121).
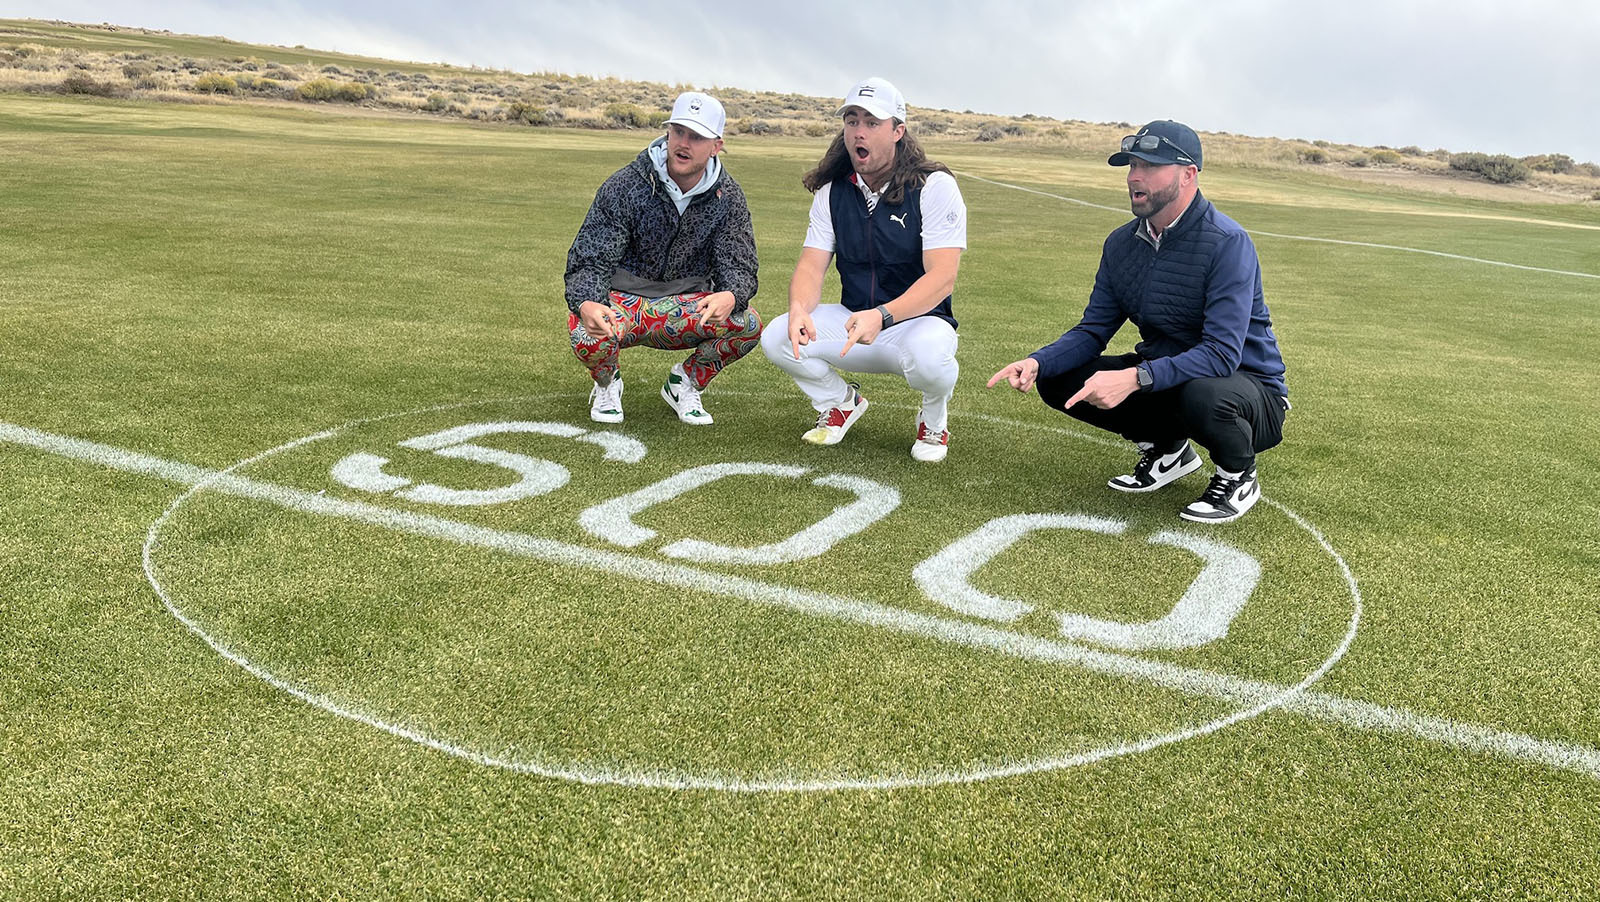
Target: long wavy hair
(911,167)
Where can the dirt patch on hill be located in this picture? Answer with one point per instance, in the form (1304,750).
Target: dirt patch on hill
(1440,183)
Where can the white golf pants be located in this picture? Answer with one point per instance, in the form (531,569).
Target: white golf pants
(922,350)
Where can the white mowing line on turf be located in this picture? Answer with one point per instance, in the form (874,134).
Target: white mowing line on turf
(1386,247)
(1324,706)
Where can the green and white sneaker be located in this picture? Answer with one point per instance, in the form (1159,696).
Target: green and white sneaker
(605,401)
(681,395)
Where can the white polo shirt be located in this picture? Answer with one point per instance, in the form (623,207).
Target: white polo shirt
(944,214)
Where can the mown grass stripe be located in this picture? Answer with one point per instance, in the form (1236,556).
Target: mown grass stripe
(1258,696)
(1385,247)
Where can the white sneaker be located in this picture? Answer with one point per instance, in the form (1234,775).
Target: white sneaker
(605,401)
(1225,500)
(681,395)
(834,422)
(930,446)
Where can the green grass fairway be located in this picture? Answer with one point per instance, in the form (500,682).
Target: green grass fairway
(272,684)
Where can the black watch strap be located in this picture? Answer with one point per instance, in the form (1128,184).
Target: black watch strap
(1146,379)
(888,318)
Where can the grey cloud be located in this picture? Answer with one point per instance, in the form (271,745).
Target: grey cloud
(1467,75)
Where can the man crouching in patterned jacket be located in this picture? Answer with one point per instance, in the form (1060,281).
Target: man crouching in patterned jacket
(666,258)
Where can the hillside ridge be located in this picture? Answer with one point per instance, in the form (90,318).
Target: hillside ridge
(133,62)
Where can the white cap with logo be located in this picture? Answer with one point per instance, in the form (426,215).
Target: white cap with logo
(878,97)
(700,113)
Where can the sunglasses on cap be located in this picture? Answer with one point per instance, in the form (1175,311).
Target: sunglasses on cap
(1152,142)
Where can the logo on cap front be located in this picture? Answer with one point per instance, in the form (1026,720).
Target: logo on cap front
(694,105)
(866,91)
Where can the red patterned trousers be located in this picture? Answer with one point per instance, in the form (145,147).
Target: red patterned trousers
(669,323)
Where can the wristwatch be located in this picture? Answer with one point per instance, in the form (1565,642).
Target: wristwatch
(888,318)
(1146,380)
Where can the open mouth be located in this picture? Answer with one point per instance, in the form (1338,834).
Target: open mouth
(1138,195)
(861,153)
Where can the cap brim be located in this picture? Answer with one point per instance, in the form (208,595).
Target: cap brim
(695,127)
(878,112)
(1122,158)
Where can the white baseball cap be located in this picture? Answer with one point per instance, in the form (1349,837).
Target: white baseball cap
(878,97)
(699,112)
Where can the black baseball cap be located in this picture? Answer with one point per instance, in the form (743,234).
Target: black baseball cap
(1162,142)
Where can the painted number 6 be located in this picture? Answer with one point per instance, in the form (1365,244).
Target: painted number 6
(535,475)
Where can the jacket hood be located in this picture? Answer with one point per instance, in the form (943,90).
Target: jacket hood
(645,165)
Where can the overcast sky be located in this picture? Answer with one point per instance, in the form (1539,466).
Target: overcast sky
(1485,75)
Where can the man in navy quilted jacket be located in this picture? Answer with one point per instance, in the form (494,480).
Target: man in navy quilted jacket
(1207,366)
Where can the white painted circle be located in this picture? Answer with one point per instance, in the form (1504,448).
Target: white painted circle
(676,779)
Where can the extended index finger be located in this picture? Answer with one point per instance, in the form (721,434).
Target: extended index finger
(1082,392)
(849,342)
(998,376)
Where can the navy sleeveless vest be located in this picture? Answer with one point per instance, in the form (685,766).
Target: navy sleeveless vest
(878,256)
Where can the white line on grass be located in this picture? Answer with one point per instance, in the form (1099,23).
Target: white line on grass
(1386,247)
(847,609)
(1258,696)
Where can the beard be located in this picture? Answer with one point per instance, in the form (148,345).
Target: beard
(1155,201)
(683,168)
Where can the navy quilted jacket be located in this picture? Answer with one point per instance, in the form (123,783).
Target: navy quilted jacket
(1196,302)
(633,224)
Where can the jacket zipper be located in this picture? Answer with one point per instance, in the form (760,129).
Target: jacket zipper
(677,226)
(872,257)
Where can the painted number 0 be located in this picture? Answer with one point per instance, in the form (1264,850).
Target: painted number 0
(1202,615)
(613,520)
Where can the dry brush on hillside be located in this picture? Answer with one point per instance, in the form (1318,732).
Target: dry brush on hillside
(551,100)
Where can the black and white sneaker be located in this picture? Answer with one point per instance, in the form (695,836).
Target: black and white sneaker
(1225,499)
(1156,468)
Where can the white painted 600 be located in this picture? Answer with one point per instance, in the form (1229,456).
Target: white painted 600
(1202,615)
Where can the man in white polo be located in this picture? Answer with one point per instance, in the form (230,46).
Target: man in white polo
(896,224)
(666,258)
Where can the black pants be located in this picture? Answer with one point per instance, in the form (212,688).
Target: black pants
(1233,417)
